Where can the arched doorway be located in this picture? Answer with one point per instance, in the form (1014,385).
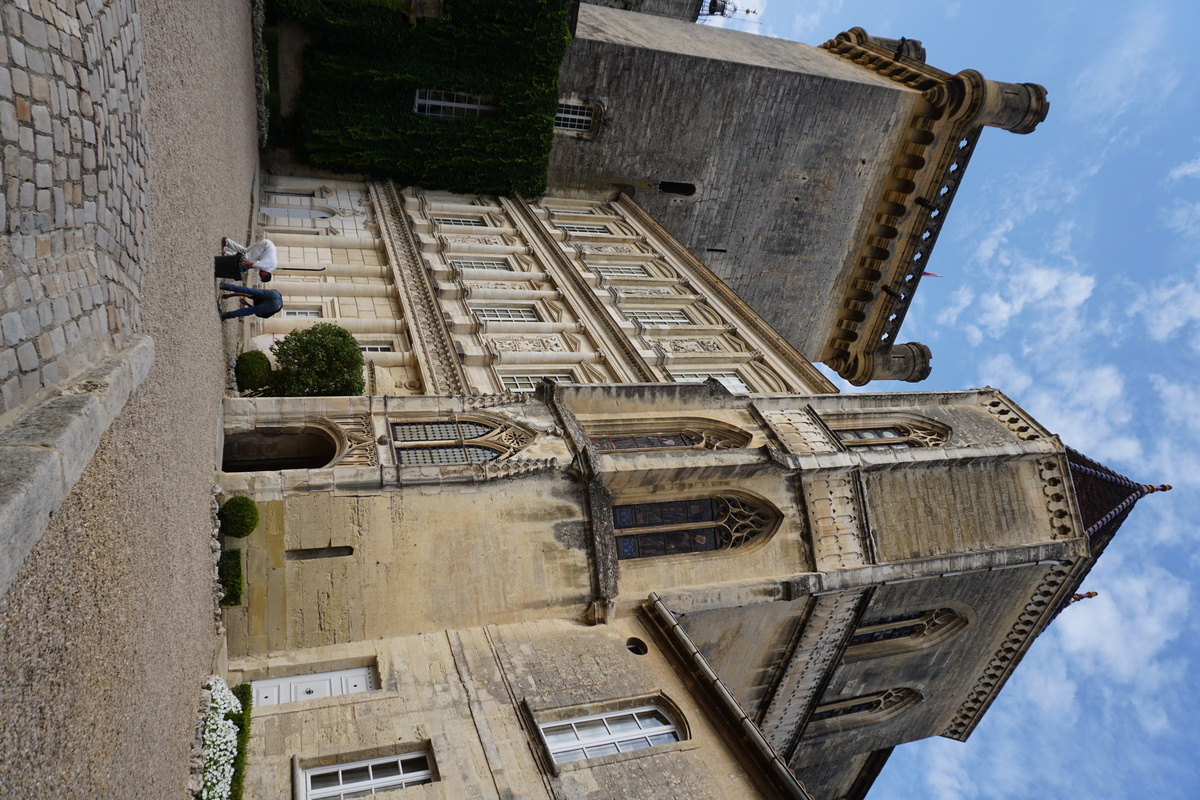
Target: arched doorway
(267,449)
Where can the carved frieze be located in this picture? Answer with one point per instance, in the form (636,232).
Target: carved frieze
(527,344)
(1059,513)
(703,345)
(596,247)
(1016,422)
(462,238)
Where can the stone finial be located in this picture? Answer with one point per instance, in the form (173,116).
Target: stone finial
(1165,487)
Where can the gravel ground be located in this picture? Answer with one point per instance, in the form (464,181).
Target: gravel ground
(107,634)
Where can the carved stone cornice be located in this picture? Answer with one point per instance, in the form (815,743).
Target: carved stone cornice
(814,654)
(925,171)
(431,342)
(1036,614)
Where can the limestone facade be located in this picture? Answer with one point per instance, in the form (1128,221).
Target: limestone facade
(588,485)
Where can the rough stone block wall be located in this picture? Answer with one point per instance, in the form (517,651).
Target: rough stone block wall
(785,145)
(75,173)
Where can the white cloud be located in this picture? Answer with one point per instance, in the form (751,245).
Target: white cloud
(1183,218)
(1055,294)
(1002,372)
(1188,169)
(1169,306)
(810,19)
(960,298)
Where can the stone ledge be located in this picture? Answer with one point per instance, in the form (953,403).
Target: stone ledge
(45,451)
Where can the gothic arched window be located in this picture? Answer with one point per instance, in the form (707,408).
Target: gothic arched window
(454,442)
(894,436)
(856,712)
(685,439)
(645,530)
(903,632)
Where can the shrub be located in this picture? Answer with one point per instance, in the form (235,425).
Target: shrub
(253,370)
(229,573)
(239,517)
(321,361)
(244,692)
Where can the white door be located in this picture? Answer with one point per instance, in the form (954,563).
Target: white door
(273,691)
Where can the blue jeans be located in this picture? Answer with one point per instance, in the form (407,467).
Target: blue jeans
(267,302)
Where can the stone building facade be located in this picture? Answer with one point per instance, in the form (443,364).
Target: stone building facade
(597,530)
(803,176)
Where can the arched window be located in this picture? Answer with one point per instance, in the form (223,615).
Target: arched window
(454,442)
(903,633)
(608,734)
(646,530)
(686,439)
(856,712)
(896,436)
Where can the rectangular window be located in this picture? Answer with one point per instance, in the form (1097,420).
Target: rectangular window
(375,348)
(730,380)
(302,312)
(366,778)
(498,314)
(463,263)
(529,382)
(571,117)
(474,222)
(454,105)
(577,228)
(656,317)
(608,734)
(615,271)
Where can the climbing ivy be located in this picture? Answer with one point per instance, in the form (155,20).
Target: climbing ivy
(366,59)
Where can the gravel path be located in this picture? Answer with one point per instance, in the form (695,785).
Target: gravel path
(107,634)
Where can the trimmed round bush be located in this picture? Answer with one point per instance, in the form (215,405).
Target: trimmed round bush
(253,370)
(239,516)
(229,573)
(320,361)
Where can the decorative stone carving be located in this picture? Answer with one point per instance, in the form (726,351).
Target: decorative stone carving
(799,432)
(528,344)
(645,291)
(350,212)
(1022,427)
(594,247)
(838,540)
(820,643)
(692,345)
(361,450)
(462,238)
(1051,473)
(1003,661)
(490,400)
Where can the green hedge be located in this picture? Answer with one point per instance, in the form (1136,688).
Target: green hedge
(366,59)
(229,573)
(238,516)
(253,370)
(244,692)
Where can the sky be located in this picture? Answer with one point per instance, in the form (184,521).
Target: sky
(1071,263)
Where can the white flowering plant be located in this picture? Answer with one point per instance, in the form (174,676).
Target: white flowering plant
(222,739)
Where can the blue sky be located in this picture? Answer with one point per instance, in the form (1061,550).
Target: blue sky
(1071,259)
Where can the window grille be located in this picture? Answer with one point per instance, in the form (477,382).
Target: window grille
(571,117)
(891,437)
(375,348)
(730,380)
(656,317)
(456,105)
(307,313)
(366,778)
(646,530)
(578,228)
(607,734)
(506,314)
(438,443)
(463,263)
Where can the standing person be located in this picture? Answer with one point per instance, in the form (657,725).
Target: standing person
(267,302)
(260,256)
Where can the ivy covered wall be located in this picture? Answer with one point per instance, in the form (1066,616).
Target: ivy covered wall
(366,59)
